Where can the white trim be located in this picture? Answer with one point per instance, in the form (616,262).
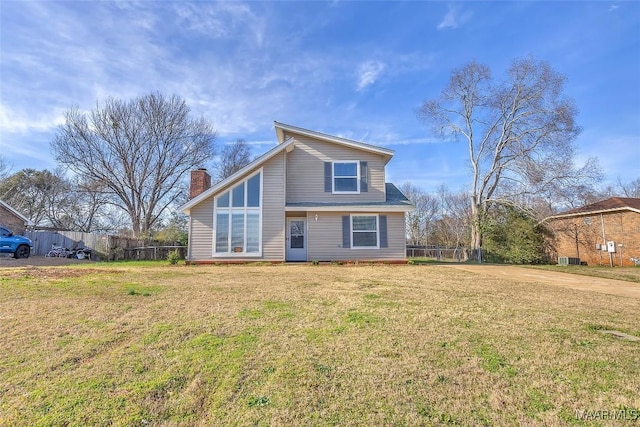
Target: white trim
(349,208)
(351,231)
(287,236)
(280,127)
(245,209)
(589,213)
(333,177)
(27,221)
(189,244)
(186,208)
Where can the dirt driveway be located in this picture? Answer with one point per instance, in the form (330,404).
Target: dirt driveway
(566,280)
(33,261)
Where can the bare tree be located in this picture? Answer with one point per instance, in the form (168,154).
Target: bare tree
(419,223)
(519,132)
(233,158)
(629,189)
(452,227)
(5,168)
(50,199)
(28,190)
(139,151)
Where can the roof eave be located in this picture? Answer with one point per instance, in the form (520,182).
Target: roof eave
(596,212)
(27,221)
(281,127)
(186,208)
(351,208)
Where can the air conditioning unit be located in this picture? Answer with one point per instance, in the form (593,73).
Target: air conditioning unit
(565,260)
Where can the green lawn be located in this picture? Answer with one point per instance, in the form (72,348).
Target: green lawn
(308,345)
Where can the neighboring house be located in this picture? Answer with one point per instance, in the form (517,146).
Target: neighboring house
(602,233)
(13,220)
(311,197)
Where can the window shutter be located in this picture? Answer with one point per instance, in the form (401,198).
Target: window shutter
(364,177)
(328,172)
(346,231)
(382,224)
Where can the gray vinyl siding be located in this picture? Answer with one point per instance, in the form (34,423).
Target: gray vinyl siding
(273,228)
(201,235)
(305,172)
(273,221)
(325,239)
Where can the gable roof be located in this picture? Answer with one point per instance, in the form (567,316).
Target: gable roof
(230,179)
(281,128)
(282,145)
(613,204)
(26,220)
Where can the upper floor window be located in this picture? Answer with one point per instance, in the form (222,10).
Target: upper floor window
(346,177)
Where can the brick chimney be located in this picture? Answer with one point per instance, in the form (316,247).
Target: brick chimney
(200,182)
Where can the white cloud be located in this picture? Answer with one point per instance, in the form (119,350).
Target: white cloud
(411,141)
(454,18)
(221,20)
(369,73)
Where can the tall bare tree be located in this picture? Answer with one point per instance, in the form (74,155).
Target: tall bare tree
(233,158)
(419,223)
(452,227)
(138,150)
(520,133)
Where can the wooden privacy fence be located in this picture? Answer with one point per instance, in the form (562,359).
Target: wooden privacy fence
(153,252)
(438,253)
(103,246)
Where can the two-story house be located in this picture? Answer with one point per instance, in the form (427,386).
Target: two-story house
(311,197)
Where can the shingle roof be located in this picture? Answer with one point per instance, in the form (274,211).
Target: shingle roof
(394,198)
(611,204)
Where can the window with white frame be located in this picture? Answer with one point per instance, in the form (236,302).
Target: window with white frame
(238,215)
(346,177)
(364,231)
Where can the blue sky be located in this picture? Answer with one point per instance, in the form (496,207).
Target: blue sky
(353,69)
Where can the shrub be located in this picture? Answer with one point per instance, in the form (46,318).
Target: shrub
(173,257)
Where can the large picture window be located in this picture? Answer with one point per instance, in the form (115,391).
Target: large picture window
(346,177)
(364,231)
(238,218)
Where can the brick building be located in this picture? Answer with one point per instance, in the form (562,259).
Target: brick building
(12,219)
(602,233)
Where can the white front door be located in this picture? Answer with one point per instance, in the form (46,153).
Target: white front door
(296,239)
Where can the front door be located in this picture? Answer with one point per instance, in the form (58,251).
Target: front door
(296,239)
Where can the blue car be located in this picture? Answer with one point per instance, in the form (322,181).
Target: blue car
(19,246)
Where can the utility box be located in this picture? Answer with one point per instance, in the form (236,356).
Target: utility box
(611,247)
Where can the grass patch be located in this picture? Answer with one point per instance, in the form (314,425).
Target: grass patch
(306,345)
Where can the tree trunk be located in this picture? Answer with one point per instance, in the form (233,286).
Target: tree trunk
(476,232)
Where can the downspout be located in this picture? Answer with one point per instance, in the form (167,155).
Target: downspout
(284,208)
(575,225)
(189,240)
